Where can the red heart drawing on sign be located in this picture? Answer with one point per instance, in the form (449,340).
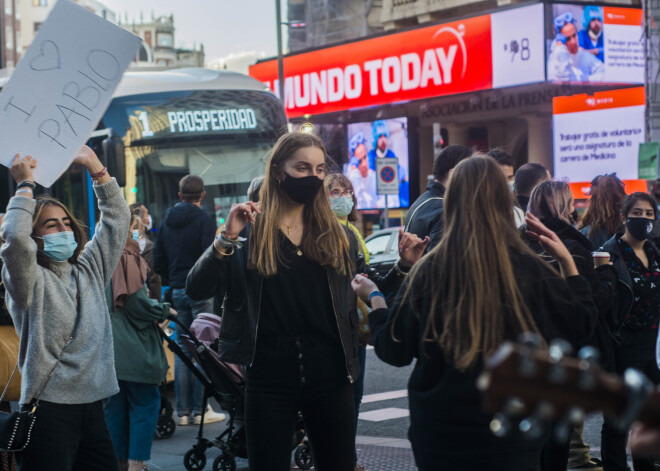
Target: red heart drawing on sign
(49,59)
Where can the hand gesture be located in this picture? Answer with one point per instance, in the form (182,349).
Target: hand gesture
(645,441)
(363,286)
(239,217)
(411,248)
(551,244)
(88,159)
(21,168)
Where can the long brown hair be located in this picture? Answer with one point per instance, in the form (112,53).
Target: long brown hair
(324,240)
(44,201)
(469,276)
(607,192)
(551,199)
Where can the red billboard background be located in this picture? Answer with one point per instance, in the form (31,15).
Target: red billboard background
(433,61)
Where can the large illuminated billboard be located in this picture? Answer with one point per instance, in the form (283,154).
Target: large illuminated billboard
(366,143)
(598,134)
(488,51)
(594,43)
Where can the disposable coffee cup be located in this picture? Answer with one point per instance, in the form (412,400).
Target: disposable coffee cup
(601,258)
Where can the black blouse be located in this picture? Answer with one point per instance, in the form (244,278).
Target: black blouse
(645,311)
(297,301)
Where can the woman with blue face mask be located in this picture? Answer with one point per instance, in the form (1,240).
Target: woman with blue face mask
(344,204)
(636,310)
(55,286)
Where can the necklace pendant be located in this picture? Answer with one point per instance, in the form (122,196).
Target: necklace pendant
(299,252)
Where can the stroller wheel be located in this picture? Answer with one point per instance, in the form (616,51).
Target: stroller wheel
(224,463)
(166,430)
(194,460)
(303,456)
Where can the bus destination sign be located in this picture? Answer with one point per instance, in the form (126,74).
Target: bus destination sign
(212,120)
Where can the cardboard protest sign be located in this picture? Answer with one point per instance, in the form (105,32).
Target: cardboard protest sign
(61,87)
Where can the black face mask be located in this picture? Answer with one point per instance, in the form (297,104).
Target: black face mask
(574,216)
(301,190)
(639,228)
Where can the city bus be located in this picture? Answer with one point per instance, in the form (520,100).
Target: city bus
(162,125)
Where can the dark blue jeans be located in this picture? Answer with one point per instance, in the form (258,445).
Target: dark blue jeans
(132,416)
(291,375)
(69,437)
(188,389)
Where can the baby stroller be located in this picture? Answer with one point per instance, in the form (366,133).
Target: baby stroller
(224,382)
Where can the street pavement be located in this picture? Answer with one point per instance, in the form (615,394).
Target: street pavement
(382,429)
(382,443)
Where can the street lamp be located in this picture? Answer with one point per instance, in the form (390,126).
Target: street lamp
(280,59)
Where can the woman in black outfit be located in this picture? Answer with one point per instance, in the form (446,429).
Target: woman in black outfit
(480,286)
(290,312)
(636,309)
(552,203)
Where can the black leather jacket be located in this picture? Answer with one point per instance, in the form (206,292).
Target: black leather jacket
(239,290)
(624,295)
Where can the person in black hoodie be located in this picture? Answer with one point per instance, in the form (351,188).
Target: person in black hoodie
(425,215)
(479,287)
(182,237)
(552,203)
(636,310)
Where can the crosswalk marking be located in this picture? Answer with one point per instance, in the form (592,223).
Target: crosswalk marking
(384,414)
(384,396)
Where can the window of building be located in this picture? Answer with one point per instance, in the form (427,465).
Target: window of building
(9,37)
(8,7)
(10,63)
(165,39)
(40,3)
(36,27)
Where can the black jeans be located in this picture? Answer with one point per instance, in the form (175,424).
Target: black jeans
(637,350)
(291,375)
(69,437)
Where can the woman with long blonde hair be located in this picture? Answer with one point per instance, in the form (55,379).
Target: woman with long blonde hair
(480,286)
(282,270)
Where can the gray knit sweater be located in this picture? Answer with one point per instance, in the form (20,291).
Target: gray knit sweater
(44,308)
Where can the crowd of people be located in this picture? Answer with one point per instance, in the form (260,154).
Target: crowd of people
(488,252)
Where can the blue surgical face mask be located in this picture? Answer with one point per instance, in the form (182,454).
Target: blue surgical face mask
(135,234)
(342,206)
(59,246)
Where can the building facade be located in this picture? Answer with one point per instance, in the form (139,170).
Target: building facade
(10,33)
(158,45)
(334,80)
(32,13)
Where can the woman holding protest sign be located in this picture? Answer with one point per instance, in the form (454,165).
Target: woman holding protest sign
(56,296)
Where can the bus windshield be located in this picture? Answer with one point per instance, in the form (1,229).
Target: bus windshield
(227,169)
(224,136)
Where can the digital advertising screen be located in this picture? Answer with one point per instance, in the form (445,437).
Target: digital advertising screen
(595,43)
(482,52)
(366,143)
(598,134)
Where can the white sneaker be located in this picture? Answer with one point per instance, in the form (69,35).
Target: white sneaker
(210,416)
(184,420)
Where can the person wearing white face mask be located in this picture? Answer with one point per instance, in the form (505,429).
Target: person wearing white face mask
(344,204)
(139,234)
(56,297)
